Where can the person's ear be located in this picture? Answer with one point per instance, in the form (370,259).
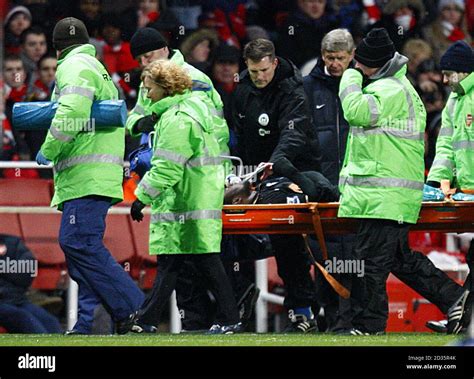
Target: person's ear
(353,54)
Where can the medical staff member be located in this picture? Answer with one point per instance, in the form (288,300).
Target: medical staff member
(88,174)
(453,167)
(185,188)
(381,180)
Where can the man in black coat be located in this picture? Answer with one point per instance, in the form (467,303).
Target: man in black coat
(322,88)
(271,118)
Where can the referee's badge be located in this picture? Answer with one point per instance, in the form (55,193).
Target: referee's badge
(263,119)
(469,120)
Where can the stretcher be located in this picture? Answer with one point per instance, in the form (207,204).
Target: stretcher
(321,219)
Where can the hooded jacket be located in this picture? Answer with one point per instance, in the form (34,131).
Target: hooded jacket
(87,160)
(383,172)
(185,185)
(202,87)
(328,119)
(455,144)
(274,121)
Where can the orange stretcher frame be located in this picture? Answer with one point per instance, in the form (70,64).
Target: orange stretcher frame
(321,219)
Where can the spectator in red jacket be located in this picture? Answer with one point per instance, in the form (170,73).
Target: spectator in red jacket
(117,56)
(42,88)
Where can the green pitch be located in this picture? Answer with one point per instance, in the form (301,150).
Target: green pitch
(245,339)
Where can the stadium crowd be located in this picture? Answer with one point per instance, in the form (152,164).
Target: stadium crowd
(281,76)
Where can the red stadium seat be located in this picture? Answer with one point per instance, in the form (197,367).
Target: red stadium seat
(40,233)
(26,192)
(10,224)
(145,271)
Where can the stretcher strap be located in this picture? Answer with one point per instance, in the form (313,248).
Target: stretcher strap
(318,229)
(338,287)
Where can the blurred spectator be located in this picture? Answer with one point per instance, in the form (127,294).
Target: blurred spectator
(8,141)
(430,87)
(470,16)
(225,76)
(402,19)
(299,39)
(228,18)
(198,47)
(90,12)
(33,47)
(117,56)
(449,27)
(16,21)
(272,14)
(42,88)
(151,13)
(14,75)
(15,91)
(417,51)
(45,13)
(348,13)
(17,313)
(187,12)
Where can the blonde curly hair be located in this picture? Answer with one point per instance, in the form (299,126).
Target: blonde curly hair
(174,79)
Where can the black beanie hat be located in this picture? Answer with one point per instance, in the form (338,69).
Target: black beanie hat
(69,31)
(375,49)
(459,57)
(145,40)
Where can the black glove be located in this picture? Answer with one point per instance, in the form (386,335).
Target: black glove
(145,124)
(136,210)
(365,78)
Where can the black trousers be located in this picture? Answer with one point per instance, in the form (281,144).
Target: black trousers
(294,269)
(382,246)
(172,267)
(238,253)
(337,310)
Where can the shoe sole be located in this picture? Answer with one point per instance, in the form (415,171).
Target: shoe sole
(253,301)
(436,327)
